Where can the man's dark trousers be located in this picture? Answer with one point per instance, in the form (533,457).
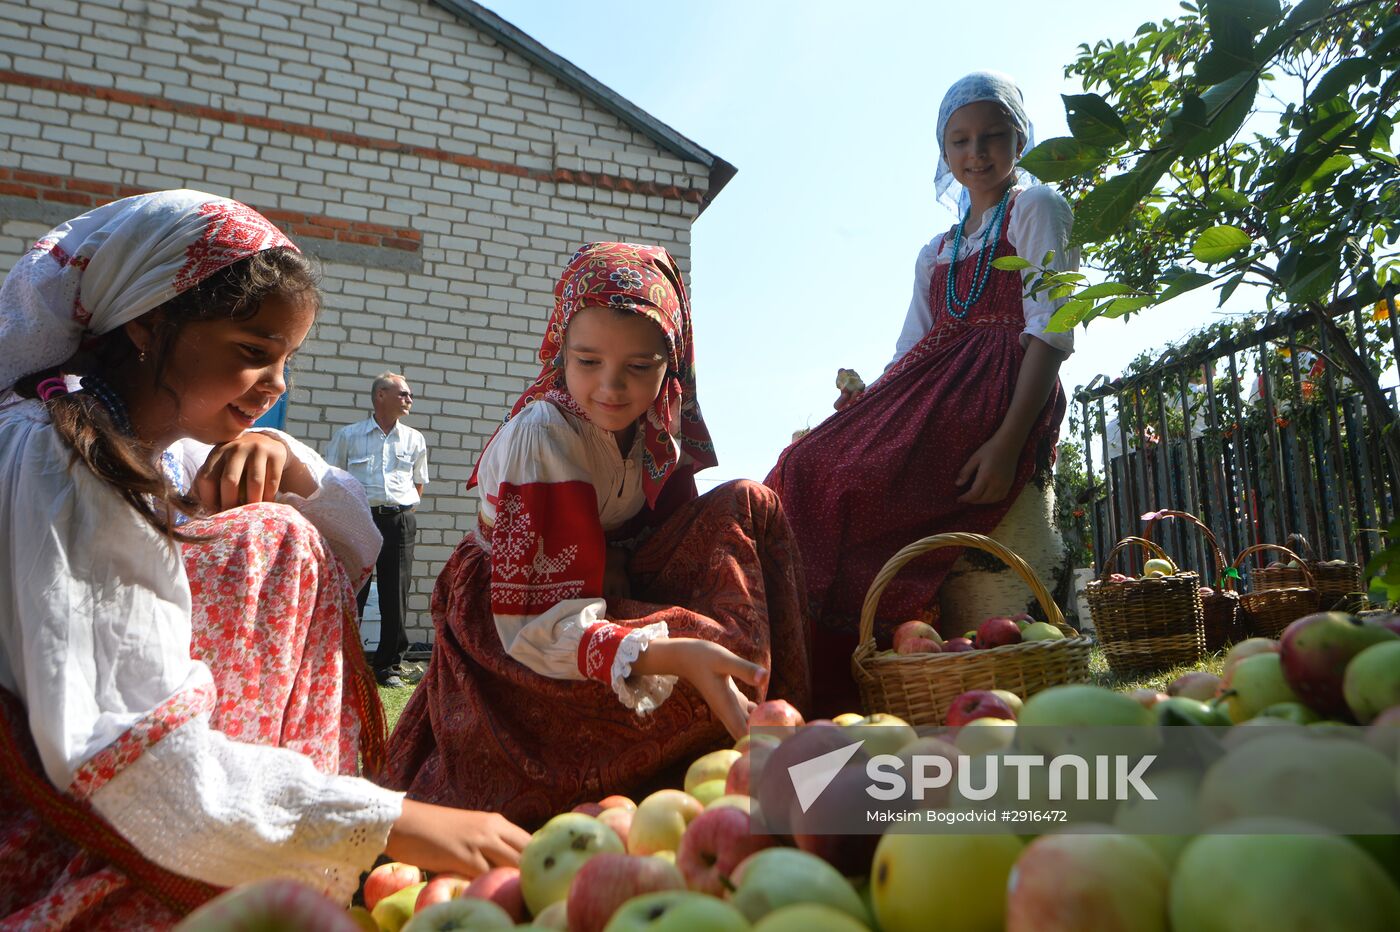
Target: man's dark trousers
(394,569)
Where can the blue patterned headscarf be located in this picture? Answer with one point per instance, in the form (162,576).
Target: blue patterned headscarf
(980,85)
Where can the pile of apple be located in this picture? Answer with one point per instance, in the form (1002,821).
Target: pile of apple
(920,637)
(688,858)
(1157,568)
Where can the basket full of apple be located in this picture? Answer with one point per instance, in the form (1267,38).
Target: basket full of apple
(689,858)
(1150,622)
(920,676)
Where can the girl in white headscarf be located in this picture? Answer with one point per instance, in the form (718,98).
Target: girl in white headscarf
(965,415)
(181,707)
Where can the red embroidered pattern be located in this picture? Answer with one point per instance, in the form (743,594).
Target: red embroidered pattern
(546,546)
(597,650)
(235,231)
(163,719)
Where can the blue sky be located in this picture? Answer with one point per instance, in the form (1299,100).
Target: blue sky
(804,263)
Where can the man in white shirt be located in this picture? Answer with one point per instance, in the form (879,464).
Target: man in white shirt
(390,460)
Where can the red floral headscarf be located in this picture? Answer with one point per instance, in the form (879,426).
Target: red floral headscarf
(645,280)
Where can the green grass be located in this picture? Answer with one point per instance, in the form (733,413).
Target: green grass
(1103,676)
(394,700)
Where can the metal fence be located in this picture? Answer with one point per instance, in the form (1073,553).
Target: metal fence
(1259,435)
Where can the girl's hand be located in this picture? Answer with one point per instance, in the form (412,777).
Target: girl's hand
(847,396)
(252,467)
(439,838)
(711,668)
(990,472)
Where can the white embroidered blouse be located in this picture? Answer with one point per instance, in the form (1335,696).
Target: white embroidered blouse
(95,640)
(1040,222)
(551,485)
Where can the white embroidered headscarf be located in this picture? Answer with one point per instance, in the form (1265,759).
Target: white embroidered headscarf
(115,263)
(980,85)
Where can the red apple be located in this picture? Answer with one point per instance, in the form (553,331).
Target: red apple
(619,820)
(1198,685)
(1388,620)
(388,879)
(617,802)
(848,853)
(914,629)
(272,905)
(501,885)
(998,632)
(1147,698)
(609,880)
(440,889)
(590,809)
(977,703)
(737,780)
(957,645)
(1315,651)
(713,845)
(919,646)
(774,712)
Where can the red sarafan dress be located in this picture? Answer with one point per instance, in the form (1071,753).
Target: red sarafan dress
(881,473)
(529,705)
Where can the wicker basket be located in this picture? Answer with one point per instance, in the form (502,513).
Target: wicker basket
(1221,609)
(919,688)
(1148,624)
(1339,585)
(1270,609)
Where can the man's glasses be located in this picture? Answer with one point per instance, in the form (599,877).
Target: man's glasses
(407,395)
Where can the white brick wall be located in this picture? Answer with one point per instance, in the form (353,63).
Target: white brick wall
(462,316)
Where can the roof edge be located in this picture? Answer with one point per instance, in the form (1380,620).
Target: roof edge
(531,49)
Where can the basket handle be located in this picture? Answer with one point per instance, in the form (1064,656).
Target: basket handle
(1151,526)
(1147,545)
(1306,547)
(952,539)
(1239,561)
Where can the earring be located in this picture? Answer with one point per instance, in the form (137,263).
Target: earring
(141,357)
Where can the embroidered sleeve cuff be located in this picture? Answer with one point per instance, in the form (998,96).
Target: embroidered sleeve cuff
(607,653)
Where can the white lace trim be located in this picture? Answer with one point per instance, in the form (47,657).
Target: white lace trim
(642,694)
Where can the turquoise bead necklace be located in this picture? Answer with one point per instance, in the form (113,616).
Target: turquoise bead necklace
(982,271)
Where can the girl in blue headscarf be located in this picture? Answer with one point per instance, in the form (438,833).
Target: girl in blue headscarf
(965,415)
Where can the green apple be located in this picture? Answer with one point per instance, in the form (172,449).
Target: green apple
(848,718)
(1169,822)
(1011,699)
(883,733)
(1337,784)
(1246,648)
(955,883)
(460,915)
(1158,567)
(808,917)
(708,792)
(1178,710)
(392,912)
(1042,631)
(557,851)
(676,911)
(660,820)
(712,766)
(1250,876)
(1372,681)
(1088,879)
(985,736)
(737,800)
(776,877)
(1294,712)
(555,916)
(1256,683)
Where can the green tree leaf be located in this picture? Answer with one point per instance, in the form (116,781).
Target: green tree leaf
(1092,120)
(1340,78)
(1308,274)
(1227,104)
(1120,306)
(1069,314)
(1182,282)
(1334,165)
(1062,157)
(1010,264)
(1220,243)
(1106,290)
(1106,208)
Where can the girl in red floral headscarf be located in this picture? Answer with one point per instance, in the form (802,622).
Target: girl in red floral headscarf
(596,579)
